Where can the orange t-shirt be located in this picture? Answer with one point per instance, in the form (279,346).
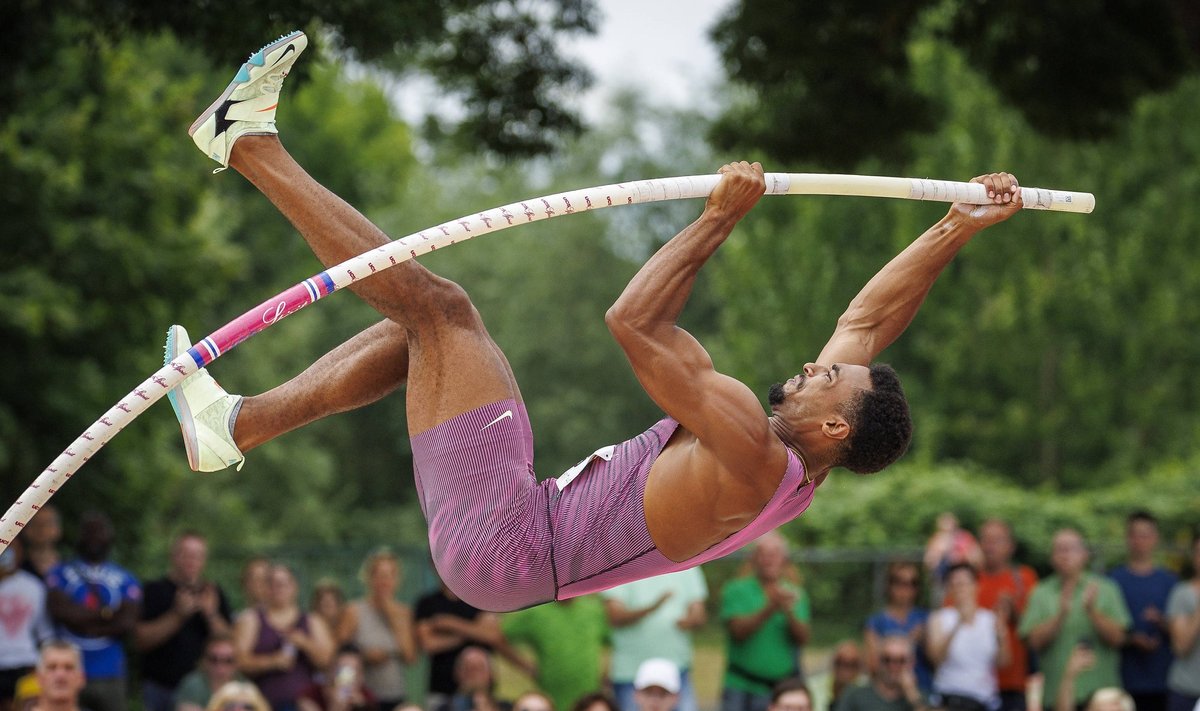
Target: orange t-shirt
(1018,582)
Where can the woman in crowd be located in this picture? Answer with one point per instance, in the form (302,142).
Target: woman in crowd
(382,628)
(255,587)
(966,643)
(280,647)
(900,616)
(328,602)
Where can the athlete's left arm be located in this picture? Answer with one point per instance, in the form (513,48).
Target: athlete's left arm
(671,365)
(890,300)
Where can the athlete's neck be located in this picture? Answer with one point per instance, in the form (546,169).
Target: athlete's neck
(814,466)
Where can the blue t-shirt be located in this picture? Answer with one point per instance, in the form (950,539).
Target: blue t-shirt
(1145,672)
(105,585)
(884,625)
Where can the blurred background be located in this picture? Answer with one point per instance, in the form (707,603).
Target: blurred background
(1051,371)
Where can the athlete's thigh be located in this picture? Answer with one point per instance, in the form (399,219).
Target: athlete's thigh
(454,369)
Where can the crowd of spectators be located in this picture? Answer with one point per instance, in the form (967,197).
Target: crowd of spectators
(989,635)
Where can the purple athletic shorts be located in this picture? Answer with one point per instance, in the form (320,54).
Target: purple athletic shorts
(503,541)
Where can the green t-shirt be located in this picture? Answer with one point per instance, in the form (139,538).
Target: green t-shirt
(656,634)
(1076,628)
(769,653)
(568,639)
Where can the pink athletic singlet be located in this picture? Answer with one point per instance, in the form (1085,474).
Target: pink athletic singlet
(503,541)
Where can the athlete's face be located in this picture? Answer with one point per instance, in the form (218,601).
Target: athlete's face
(818,390)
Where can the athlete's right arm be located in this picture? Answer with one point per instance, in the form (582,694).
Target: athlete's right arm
(671,365)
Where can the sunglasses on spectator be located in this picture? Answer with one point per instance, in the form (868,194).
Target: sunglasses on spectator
(903,581)
(888,659)
(238,706)
(214,659)
(846,662)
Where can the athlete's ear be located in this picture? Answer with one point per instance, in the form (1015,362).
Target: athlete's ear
(835,427)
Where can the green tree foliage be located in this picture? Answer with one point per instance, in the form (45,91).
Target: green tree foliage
(831,82)
(498,57)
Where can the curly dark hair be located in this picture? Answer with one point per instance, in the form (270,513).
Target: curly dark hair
(880,424)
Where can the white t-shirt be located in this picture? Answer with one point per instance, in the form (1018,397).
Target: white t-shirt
(970,665)
(23,620)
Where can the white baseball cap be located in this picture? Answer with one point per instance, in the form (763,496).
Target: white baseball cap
(662,673)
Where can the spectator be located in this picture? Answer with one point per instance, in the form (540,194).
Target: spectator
(60,676)
(965,644)
(1110,698)
(238,696)
(278,646)
(792,695)
(847,669)
(766,623)
(476,684)
(893,685)
(217,667)
(95,603)
(595,701)
(382,628)
(445,626)
(656,685)
(25,622)
(1183,619)
(1004,588)
(40,537)
(949,545)
(179,612)
(533,701)
(1075,606)
(328,602)
(654,617)
(567,639)
(901,616)
(1145,586)
(344,687)
(256,584)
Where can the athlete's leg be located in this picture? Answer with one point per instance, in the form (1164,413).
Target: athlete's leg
(436,340)
(358,372)
(454,366)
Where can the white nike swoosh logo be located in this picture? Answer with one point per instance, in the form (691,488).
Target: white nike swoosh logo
(507,414)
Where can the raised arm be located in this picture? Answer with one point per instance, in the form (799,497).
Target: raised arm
(671,365)
(889,301)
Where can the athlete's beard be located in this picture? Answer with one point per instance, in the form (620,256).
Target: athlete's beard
(775,394)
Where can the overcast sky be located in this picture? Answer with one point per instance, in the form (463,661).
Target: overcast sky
(659,45)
